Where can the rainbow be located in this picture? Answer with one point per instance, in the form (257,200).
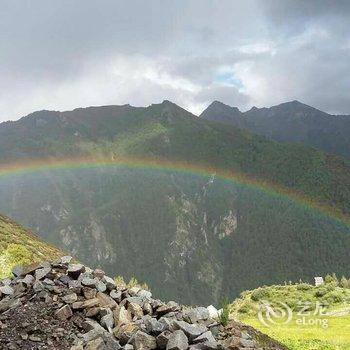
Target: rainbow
(272,189)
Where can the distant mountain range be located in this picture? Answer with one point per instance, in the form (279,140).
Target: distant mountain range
(191,235)
(289,122)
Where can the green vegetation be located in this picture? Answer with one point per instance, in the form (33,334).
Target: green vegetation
(19,247)
(170,228)
(133,282)
(224,316)
(320,318)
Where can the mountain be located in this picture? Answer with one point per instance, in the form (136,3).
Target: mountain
(190,233)
(289,122)
(20,246)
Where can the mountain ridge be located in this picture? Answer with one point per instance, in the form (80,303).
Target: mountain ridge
(174,227)
(291,121)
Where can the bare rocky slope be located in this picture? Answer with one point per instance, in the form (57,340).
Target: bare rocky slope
(64,305)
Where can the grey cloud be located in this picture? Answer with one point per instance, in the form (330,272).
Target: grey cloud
(114,51)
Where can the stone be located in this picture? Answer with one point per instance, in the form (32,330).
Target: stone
(70,298)
(128,347)
(162,339)
(34,338)
(101,287)
(135,310)
(105,300)
(78,305)
(20,271)
(109,282)
(6,290)
(93,311)
(96,344)
(28,280)
(147,308)
(177,341)
(41,273)
(89,293)
(153,326)
(198,314)
(88,282)
(144,341)
(98,273)
(205,337)
(231,343)
(77,347)
(91,303)
(107,321)
(134,290)
(246,343)
(191,330)
(166,308)
(125,332)
(74,270)
(213,312)
(64,313)
(121,316)
(66,259)
(116,295)
(144,293)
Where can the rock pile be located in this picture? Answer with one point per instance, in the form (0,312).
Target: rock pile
(64,305)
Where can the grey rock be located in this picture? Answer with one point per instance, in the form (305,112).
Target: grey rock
(198,314)
(107,320)
(89,293)
(116,295)
(133,291)
(147,308)
(247,343)
(88,282)
(41,273)
(162,339)
(98,273)
(135,310)
(144,341)
(128,347)
(144,293)
(101,287)
(109,282)
(177,341)
(153,326)
(70,298)
(66,259)
(96,344)
(191,330)
(64,313)
(205,337)
(168,323)
(74,270)
(6,290)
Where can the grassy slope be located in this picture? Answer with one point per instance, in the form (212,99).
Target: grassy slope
(334,336)
(20,246)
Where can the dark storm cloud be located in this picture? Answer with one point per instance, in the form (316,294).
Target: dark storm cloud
(241,52)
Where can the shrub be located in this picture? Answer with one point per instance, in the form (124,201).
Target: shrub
(304,286)
(320,292)
(225,312)
(344,283)
(259,294)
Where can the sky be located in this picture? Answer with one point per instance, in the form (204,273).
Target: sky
(63,54)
